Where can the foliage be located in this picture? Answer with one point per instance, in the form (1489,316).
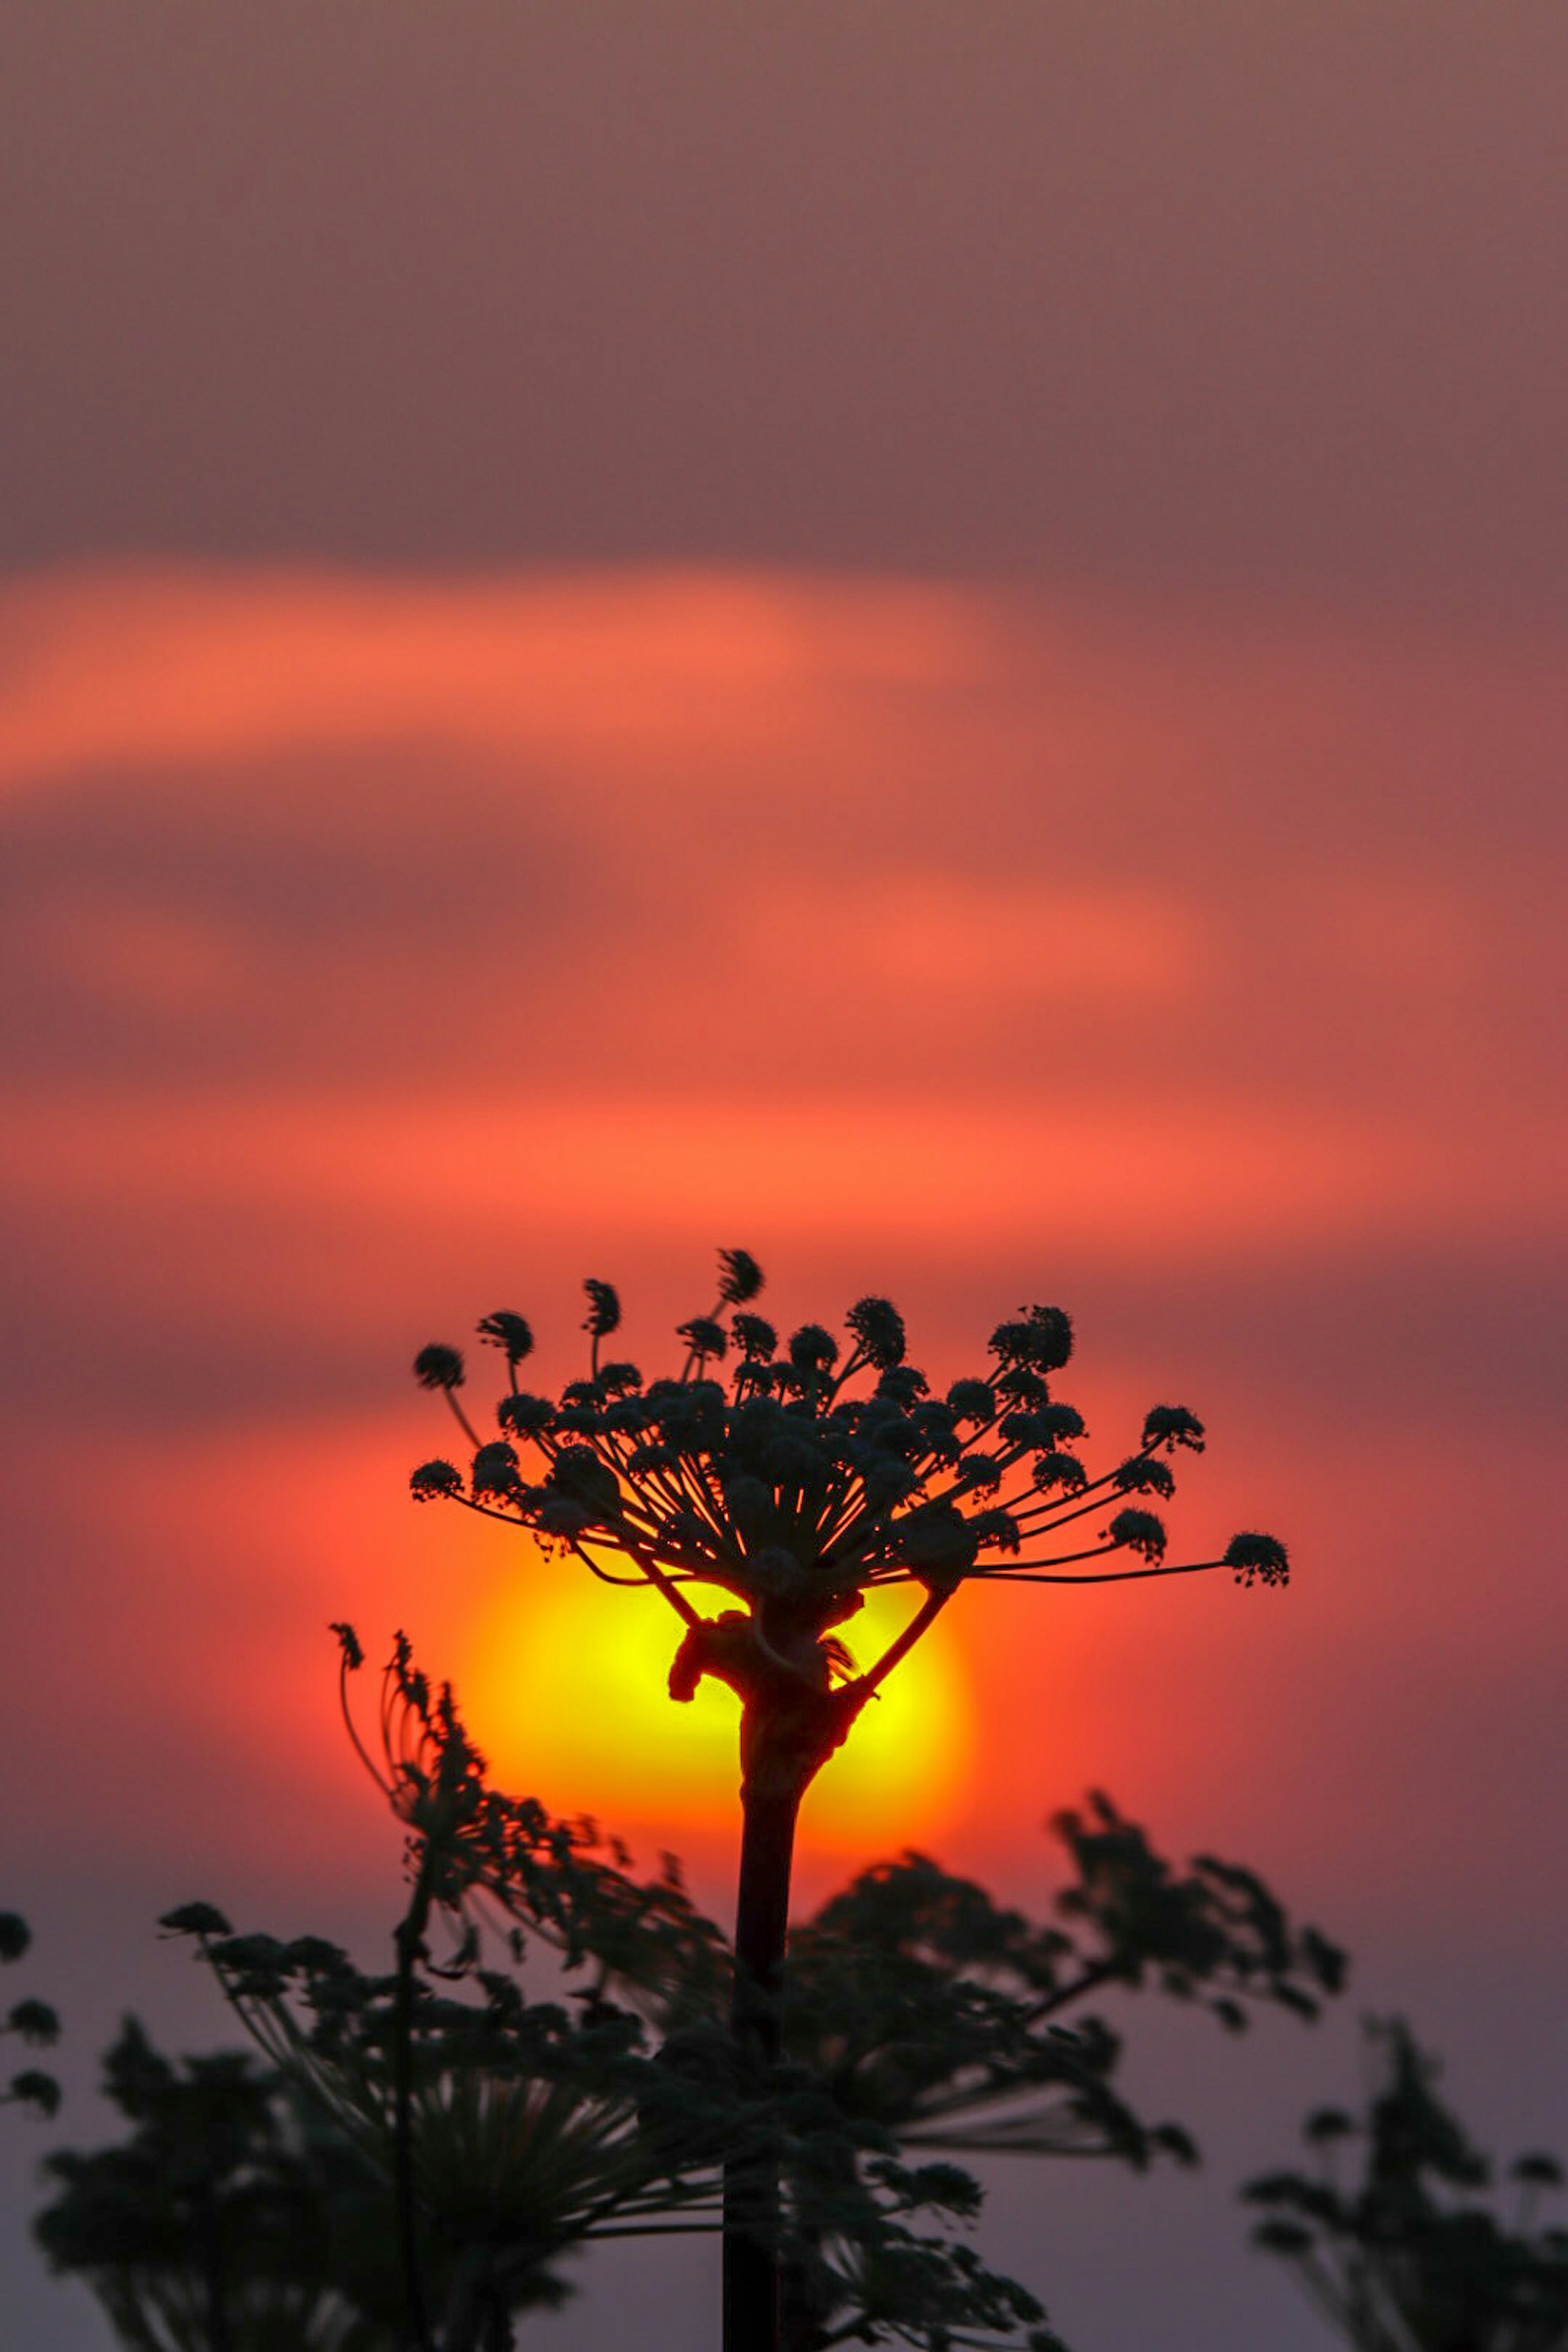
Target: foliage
(224,2223)
(1393,2231)
(253,2205)
(924,2003)
(925,2015)
(32,2022)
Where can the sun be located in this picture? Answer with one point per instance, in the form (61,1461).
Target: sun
(563,1689)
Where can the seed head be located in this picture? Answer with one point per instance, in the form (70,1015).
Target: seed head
(879,1330)
(811,1349)
(1140,1531)
(1257,1555)
(431,1480)
(604,1308)
(740,1278)
(507,1331)
(1173,1426)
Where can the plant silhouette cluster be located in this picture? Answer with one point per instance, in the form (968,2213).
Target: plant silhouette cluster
(1392,2233)
(403,2160)
(227,2220)
(665,2082)
(251,2205)
(496,2133)
(795,1476)
(32,2022)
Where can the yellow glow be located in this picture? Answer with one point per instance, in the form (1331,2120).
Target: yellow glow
(564,1691)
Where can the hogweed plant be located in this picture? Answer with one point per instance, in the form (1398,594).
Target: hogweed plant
(421,2149)
(1396,2232)
(790,1480)
(502,2134)
(32,2022)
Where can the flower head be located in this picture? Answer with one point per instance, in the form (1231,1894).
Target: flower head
(434,1479)
(1141,1474)
(1257,1555)
(740,1278)
(757,1340)
(879,1330)
(1140,1531)
(1041,1337)
(509,1332)
(604,1314)
(704,1336)
(438,1367)
(525,1415)
(1173,1426)
(792,1486)
(812,1349)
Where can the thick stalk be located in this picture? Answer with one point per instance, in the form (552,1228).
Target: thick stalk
(220,2334)
(751,2183)
(409,1937)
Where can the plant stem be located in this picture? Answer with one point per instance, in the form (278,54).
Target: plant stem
(220,2334)
(409,1937)
(769,1810)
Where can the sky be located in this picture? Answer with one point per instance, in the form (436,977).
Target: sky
(928,640)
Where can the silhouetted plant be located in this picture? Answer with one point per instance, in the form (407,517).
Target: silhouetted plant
(1396,2234)
(502,2134)
(250,2208)
(220,2224)
(924,2002)
(32,2022)
(789,1490)
(924,2009)
(926,2016)
(499,2133)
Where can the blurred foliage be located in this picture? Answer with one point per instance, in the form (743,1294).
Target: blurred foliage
(1396,2232)
(225,2221)
(32,2022)
(256,2201)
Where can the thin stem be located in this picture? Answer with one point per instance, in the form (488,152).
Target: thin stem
(1098,1972)
(1105,1576)
(463,1423)
(409,1938)
(925,1616)
(657,1579)
(359,1745)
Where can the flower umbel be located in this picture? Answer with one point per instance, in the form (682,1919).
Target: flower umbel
(790,1484)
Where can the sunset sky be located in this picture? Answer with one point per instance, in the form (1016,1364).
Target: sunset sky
(929,639)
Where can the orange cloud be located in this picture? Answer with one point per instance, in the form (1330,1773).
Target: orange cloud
(170,665)
(1148,1180)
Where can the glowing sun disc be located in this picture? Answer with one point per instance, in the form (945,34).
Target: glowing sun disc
(564,1691)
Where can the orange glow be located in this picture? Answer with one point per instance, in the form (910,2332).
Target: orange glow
(564,1688)
(173,664)
(1229,1173)
(383,951)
